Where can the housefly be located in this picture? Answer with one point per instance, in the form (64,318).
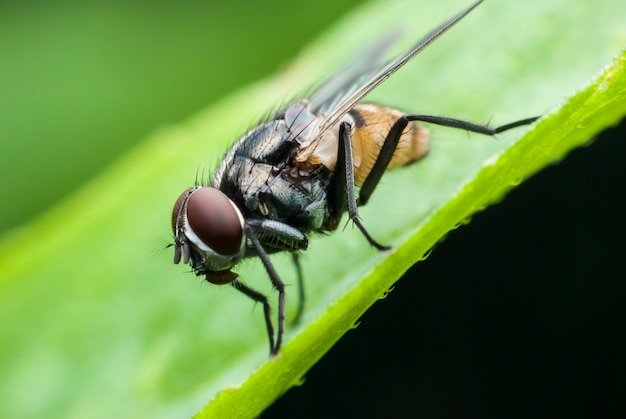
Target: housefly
(296,173)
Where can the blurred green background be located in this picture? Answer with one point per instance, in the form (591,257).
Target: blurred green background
(81,82)
(535,325)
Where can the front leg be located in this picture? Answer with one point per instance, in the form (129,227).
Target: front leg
(269,236)
(278,285)
(277,236)
(267,311)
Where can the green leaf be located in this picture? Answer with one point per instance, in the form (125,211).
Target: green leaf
(96,325)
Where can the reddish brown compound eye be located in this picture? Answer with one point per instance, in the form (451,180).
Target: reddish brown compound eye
(214,219)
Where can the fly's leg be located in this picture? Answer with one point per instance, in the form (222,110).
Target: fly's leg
(282,236)
(469,126)
(296,261)
(343,194)
(277,235)
(382,161)
(260,298)
(343,187)
(280,287)
(393,137)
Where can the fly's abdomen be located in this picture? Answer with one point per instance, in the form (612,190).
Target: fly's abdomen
(372,125)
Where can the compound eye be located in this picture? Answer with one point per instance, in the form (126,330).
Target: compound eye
(215,220)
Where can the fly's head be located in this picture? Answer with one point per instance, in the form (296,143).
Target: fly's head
(208,233)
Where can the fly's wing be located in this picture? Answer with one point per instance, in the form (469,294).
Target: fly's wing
(341,92)
(352,77)
(304,117)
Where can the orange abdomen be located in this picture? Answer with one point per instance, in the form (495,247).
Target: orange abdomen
(373,123)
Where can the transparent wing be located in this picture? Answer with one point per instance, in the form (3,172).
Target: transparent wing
(341,92)
(346,82)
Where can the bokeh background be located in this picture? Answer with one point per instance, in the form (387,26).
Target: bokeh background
(519,324)
(82,82)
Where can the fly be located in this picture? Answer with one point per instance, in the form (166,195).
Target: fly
(296,173)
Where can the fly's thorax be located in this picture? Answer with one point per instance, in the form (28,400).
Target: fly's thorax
(284,194)
(208,230)
(263,143)
(372,125)
(259,175)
